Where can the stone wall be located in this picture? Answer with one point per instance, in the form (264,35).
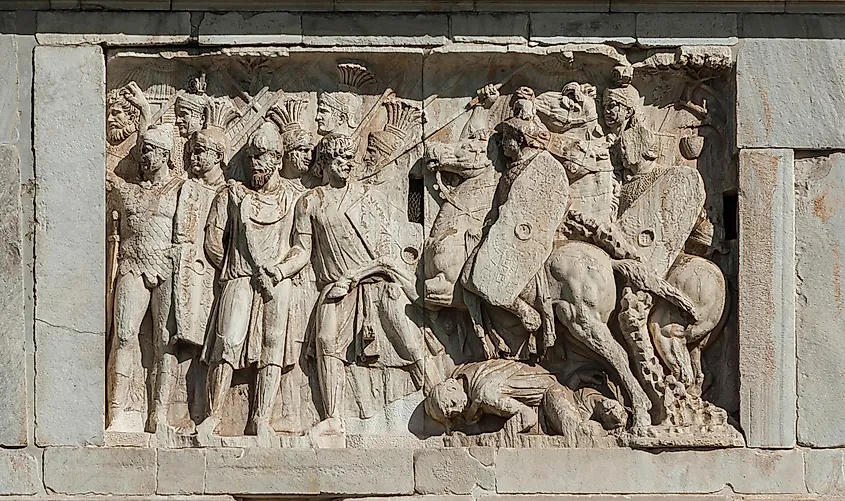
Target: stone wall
(789,101)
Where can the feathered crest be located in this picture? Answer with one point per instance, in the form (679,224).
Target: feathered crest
(219,113)
(401,116)
(354,77)
(288,114)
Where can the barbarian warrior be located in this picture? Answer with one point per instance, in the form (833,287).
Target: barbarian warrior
(514,390)
(340,111)
(402,116)
(144,275)
(344,229)
(128,113)
(195,276)
(247,234)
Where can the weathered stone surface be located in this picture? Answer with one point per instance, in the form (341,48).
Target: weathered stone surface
(252,5)
(637,497)
(100,470)
(9,117)
(18,473)
(113,28)
(13,404)
(125,4)
(180,471)
(454,471)
(557,28)
(668,29)
(237,28)
(543,6)
(625,471)
(767,297)
(69,92)
(772,109)
(366,471)
(490,28)
(820,321)
(824,472)
(697,6)
(375,29)
(262,471)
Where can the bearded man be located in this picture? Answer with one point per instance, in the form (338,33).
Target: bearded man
(144,275)
(251,324)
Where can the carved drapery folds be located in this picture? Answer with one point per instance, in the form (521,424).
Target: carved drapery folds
(528,249)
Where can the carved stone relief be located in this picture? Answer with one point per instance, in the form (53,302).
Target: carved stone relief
(334,249)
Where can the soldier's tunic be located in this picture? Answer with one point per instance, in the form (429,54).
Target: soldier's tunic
(492,382)
(195,277)
(257,226)
(349,229)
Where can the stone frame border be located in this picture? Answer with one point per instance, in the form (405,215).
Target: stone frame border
(67,452)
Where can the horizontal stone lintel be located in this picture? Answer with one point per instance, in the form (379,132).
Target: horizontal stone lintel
(391,473)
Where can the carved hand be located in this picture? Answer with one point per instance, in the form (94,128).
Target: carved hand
(488,94)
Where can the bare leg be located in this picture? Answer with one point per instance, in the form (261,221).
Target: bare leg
(595,335)
(330,368)
(132,298)
(165,361)
(266,385)
(218,383)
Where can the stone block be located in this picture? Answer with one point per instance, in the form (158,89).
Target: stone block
(69,96)
(125,4)
(19,473)
(820,306)
(366,471)
(766,315)
(9,114)
(403,5)
(180,471)
(814,6)
(375,29)
(100,470)
(667,29)
(638,497)
(627,471)
(13,401)
(113,28)
(262,471)
(583,28)
(454,471)
(490,28)
(542,5)
(249,28)
(697,6)
(789,90)
(825,472)
(252,5)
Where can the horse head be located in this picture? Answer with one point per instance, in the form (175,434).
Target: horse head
(467,158)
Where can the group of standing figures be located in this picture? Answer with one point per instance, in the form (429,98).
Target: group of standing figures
(556,226)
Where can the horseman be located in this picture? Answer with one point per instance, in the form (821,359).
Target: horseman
(530,203)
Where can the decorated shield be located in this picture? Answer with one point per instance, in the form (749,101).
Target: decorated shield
(521,238)
(660,219)
(193,286)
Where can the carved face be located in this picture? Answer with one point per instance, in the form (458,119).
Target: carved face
(341,166)
(203,158)
(188,121)
(446,401)
(153,158)
(327,119)
(373,156)
(615,112)
(264,164)
(298,159)
(119,123)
